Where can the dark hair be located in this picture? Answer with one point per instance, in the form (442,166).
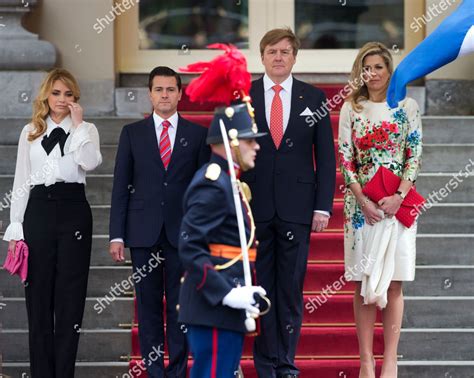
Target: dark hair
(274,36)
(163,71)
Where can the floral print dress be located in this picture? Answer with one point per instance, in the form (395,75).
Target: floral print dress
(378,136)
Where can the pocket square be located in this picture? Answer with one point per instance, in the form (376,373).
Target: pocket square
(306,112)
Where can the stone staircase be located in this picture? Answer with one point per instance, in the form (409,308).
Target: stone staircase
(437,338)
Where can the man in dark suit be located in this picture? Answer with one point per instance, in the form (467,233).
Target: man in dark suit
(156,160)
(290,197)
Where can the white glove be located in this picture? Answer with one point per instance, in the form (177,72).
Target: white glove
(242,298)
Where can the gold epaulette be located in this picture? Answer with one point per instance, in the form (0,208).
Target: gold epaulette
(213,171)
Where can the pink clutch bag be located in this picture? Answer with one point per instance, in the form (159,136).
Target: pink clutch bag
(18,263)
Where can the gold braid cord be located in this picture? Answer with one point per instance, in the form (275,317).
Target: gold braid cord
(242,191)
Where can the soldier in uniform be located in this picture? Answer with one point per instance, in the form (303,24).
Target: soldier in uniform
(213,300)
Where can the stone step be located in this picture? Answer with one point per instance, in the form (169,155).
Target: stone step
(94,345)
(448,158)
(437,312)
(445,249)
(450,129)
(439,280)
(436,344)
(83,370)
(109,345)
(436,158)
(431,369)
(447,218)
(116,282)
(109,316)
(446,187)
(406,369)
(443,187)
(420,312)
(439,218)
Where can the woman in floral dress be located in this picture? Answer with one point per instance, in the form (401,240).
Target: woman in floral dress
(373,135)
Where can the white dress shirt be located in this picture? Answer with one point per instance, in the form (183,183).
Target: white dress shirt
(285,95)
(35,167)
(173,120)
(171,130)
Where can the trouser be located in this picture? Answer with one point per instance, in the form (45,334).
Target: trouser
(281,267)
(216,352)
(161,274)
(58,231)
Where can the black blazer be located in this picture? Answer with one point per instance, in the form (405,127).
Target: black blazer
(145,196)
(284,181)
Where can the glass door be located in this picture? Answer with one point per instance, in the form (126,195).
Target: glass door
(175,33)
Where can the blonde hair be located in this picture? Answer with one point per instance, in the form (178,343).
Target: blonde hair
(40,105)
(361,92)
(274,36)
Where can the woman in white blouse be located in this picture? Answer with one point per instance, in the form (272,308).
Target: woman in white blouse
(50,212)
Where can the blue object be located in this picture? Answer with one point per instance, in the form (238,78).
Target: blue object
(438,49)
(216,352)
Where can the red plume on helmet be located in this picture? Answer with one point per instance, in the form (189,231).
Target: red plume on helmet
(224,79)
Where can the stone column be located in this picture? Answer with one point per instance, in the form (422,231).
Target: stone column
(23,59)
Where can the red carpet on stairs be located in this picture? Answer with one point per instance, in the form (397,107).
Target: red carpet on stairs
(310,368)
(328,344)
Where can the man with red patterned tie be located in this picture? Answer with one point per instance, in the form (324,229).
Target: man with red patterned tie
(290,196)
(156,159)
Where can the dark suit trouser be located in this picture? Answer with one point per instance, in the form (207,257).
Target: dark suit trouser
(58,231)
(163,279)
(281,267)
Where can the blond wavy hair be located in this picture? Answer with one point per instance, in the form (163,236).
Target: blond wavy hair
(40,105)
(361,92)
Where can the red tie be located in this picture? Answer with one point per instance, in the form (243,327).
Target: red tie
(276,117)
(165,144)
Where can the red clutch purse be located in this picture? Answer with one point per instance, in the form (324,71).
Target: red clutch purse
(384,184)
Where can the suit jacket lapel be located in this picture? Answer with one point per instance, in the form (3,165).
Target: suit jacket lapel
(296,99)
(151,141)
(179,142)
(259,103)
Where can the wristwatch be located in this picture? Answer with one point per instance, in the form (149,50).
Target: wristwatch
(399,192)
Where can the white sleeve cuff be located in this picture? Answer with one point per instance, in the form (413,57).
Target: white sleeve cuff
(117,240)
(323,212)
(79,137)
(14,232)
